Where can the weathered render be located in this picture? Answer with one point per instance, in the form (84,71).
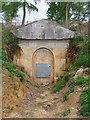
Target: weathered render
(43,43)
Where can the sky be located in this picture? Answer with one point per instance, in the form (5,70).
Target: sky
(34,15)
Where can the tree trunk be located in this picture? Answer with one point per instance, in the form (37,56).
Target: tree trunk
(66,23)
(24,14)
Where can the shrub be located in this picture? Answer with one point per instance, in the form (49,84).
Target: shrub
(67,93)
(42,97)
(72,28)
(73,68)
(67,76)
(82,60)
(66,112)
(84,97)
(84,102)
(81,81)
(10,108)
(87,71)
(20,75)
(4,55)
(11,74)
(76,40)
(59,85)
(8,66)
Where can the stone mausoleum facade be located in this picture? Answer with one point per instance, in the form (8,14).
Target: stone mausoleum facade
(43,47)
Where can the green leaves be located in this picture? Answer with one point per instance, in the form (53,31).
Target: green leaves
(67,93)
(85,102)
(10,9)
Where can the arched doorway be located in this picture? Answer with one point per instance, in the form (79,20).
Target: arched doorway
(43,66)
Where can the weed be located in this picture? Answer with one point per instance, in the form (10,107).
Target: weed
(14,86)
(66,112)
(27,81)
(36,86)
(11,74)
(85,102)
(59,85)
(10,108)
(46,95)
(20,75)
(4,56)
(67,93)
(68,84)
(22,69)
(81,81)
(14,93)
(87,71)
(55,98)
(58,114)
(67,76)
(42,97)
(73,68)
(72,28)
(18,105)
(23,89)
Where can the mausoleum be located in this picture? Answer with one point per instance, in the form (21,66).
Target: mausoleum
(44,47)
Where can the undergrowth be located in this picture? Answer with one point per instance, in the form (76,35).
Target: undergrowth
(84,103)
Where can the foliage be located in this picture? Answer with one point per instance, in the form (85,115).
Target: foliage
(72,28)
(9,43)
(55,98)
(61,82)
(87,71)
(20,75)
(42,97)
(66,112)
(10,108)
(81,53)
(4,55)
(27,81)
(77,12)
(56,12)
(80,12)
(67,76)
(11,74)
(76,40)
(14,93)
(10,9)
(8,66)
(67,93)
(14,86)
(73,68)
(59,85)
(81,81)
(85,102)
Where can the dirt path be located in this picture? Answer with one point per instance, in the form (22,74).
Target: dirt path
(41,103)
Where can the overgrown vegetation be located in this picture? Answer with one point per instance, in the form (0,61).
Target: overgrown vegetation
(79,57)
(61,82)
(84,102)
(9,43)
(11,68)
(79,81)
(66,112)
(67,93)
(81,46)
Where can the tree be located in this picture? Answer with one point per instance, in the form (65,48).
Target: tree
(58,12)
(10,10)
(62,12)
(80,12)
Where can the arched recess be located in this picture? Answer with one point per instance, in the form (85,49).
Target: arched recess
(43,62)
